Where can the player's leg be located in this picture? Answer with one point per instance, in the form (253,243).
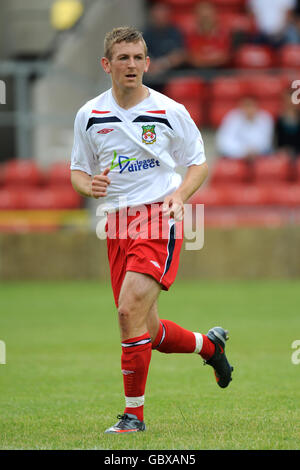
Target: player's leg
(169,337)
(166,335)
(137,295)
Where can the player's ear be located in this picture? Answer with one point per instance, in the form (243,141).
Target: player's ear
(147,64)
(105,64)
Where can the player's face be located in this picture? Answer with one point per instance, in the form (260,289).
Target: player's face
(127,65)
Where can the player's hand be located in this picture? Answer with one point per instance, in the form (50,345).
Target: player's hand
(173,207)
(100,183)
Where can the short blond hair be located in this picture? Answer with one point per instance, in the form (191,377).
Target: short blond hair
(123,33)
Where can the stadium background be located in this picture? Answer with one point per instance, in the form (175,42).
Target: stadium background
(49,64)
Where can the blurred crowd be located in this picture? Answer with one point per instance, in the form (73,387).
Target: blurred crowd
(214,35)
(235,66)
(204,34)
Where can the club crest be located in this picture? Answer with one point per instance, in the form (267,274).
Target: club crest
(148,135)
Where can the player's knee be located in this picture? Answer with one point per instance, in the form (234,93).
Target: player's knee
(125,314)
(130,304)
(130,311)
(128,320)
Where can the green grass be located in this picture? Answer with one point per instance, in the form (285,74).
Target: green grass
(62,386)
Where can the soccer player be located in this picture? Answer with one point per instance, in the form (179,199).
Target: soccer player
(127,144)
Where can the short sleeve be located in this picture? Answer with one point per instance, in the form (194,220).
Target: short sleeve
(82,156)
(189,147)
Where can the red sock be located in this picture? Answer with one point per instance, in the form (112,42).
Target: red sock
(135,360)
(208,348)
(172,338)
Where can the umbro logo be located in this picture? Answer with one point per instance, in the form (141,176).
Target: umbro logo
(105,131)
(127,372)
(155,263)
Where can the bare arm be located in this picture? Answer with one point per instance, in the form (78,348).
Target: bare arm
(194,178)
(89,186)
(82,183)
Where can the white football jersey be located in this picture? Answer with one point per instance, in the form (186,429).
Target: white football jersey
(142,146)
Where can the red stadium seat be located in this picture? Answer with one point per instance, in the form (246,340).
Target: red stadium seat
(265,86)
(288,77)
(286,194)
(289,56)
(231,5)
(185,88)
(296,169)
(232,88)
(211,196)
(254,57)
(226,171)
(1,174)
(59,174)
(22,172)
(51,198)
(235,21)
(11,199)
(248,195)
(195,110)
(272,168)
(218,110)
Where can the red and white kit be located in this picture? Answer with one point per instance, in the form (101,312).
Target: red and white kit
(142,146)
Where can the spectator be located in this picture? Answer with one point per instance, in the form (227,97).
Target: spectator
(292,31)
(272,18)
(165,42)
(209,45)
(246,131)
(287,126)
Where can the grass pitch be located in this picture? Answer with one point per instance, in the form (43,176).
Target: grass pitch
(62,387)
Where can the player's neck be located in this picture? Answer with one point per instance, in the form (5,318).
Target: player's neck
(128,98)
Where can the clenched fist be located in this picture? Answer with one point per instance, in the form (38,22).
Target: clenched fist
(100,183)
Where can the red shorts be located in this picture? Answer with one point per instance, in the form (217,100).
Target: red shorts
(140,239)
